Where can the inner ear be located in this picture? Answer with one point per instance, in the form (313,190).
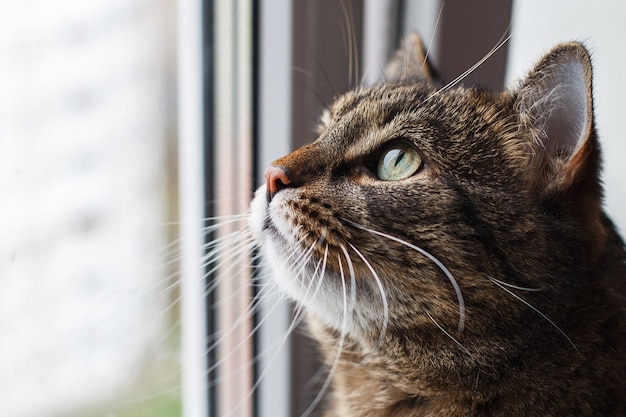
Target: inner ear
(555,102)
(560,109)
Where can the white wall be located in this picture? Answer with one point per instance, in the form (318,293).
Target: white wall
(539,25)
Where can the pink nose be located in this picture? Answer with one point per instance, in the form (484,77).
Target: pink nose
(275,180)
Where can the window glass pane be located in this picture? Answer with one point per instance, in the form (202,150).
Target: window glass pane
(88,306)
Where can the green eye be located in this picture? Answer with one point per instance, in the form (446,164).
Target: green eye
(398,163)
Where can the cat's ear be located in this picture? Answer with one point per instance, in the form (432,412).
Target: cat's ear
(555,104)
(410,62)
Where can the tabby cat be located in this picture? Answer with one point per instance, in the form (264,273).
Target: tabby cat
(449,247)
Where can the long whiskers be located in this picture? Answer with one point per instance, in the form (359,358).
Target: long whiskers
(501,285)
(432,37)
(352,278)
(383,329)
(342,337)
(350,39)
(516,287)
(499,44)
(446,333)
(297,318)
(433,259)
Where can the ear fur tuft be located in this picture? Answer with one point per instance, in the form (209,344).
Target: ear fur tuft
(410,62)
(555,103)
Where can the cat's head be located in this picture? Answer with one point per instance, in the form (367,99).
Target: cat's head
(420,204)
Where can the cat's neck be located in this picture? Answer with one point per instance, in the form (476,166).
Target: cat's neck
(360,389)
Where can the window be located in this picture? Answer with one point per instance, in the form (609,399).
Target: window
(87,296)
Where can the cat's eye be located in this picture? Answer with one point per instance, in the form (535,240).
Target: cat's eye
(398,162)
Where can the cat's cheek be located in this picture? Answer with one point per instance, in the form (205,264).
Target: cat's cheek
(273,254)
(271,248)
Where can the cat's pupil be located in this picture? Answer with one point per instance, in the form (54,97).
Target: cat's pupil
(399,157)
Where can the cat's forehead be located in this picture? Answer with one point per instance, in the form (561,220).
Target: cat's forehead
(380,101)
(366,118)
(378,105)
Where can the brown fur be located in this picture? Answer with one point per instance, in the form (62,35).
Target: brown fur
(505,196)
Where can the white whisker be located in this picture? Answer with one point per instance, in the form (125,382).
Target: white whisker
(229,237)
(233,327)
(536,310)
(297,318)
(254,304)
(322,272)
(517,287)
(446,333)
(383,296)
(352,278)
(349,32)
(433,259)
(499,44)
(220,261)
(342,337)
(432,37)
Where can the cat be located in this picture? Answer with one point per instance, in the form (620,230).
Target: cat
(450,249)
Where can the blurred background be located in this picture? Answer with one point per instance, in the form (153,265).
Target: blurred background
(124,123)
(88,205)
